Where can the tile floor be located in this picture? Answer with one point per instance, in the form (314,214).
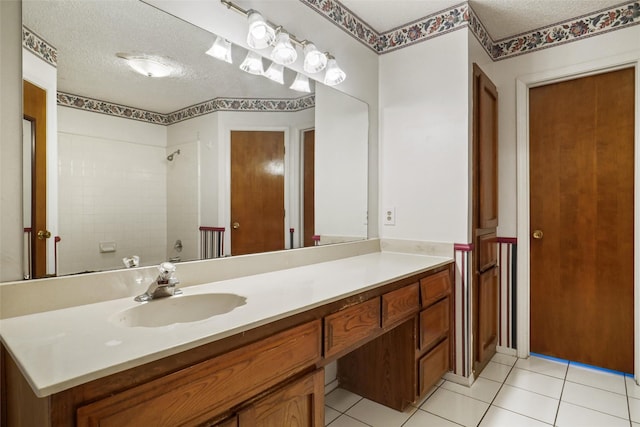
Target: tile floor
(510,392)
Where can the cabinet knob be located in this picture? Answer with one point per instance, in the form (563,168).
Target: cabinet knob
(538,234)
(236,225)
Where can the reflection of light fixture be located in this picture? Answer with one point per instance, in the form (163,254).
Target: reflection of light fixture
(260,34)
(301,83)
(252,64)
(334,74)
(147,65)
(314,60)
(275,72)
(283,52)
(221,49)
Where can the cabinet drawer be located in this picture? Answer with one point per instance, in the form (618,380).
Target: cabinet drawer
(347,327)
(400,304)
(434,323)
(201,392)
(434,287)
(433,366)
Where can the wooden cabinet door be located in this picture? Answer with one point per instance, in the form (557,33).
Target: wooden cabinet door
(487,315)
(299,404)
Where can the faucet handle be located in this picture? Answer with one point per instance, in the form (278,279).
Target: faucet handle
(166,270)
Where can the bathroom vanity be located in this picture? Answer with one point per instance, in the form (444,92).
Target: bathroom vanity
(387,318)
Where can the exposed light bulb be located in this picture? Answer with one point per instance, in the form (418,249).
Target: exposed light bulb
(283,52)
(221,49)
(334,74)
(260,34)
(314,60)
(301,83)
(275,72)
(252,64)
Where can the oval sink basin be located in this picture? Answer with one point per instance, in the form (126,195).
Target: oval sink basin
(178,309)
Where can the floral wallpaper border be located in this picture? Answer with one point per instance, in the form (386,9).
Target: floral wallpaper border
(462,16)
(207,107)
(39,47)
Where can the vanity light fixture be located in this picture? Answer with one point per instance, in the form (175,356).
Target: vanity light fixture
(252,64)
(283,52)
(147,65)
(275,72)
(221,49)
(301,83)
(314,60)
(334,74)
(260,34)
(263,33)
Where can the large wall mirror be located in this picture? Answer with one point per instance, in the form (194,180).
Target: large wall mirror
(137,165)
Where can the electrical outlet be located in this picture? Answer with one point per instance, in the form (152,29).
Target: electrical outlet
(389,216)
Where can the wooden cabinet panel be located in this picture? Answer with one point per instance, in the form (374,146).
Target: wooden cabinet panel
(348,327)
(384,370)
(487,316)
(400,304)
(198,393)
(299,404)
(434,323)
(435,287)
(487,252)
(433,366)
(231,422)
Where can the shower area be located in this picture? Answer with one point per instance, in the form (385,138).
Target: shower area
(122,199)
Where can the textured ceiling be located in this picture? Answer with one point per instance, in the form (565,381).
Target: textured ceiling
(501,18)
(88,34)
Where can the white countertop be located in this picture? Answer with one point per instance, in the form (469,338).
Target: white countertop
(59,349)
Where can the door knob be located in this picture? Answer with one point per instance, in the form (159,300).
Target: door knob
(538,234)
(44,234)
(236,225)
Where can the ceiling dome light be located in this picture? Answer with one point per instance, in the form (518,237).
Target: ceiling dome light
(301,83)
(283,52)
(334,74)
(148,66)
(260,34)
(314,60)
(252,64)
(221,49)
(275,72)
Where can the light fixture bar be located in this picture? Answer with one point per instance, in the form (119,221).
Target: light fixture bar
(312,64)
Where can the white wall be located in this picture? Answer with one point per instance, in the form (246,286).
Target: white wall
(11,232)
(424,145)
(340,165)
(113,178)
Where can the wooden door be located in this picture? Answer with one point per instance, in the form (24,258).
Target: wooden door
(35,110)
(581,211)
(257,192)
(300,404)
(309,186)
(485,219)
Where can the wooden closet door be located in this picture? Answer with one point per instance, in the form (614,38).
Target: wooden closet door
(485,219)
(582,211)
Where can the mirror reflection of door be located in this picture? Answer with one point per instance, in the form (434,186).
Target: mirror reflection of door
(308,162)
(35,112)
(257,191)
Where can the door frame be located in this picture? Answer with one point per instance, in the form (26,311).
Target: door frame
(523,84)
(224,178)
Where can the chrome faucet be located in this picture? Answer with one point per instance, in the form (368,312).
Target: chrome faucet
(163,286)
